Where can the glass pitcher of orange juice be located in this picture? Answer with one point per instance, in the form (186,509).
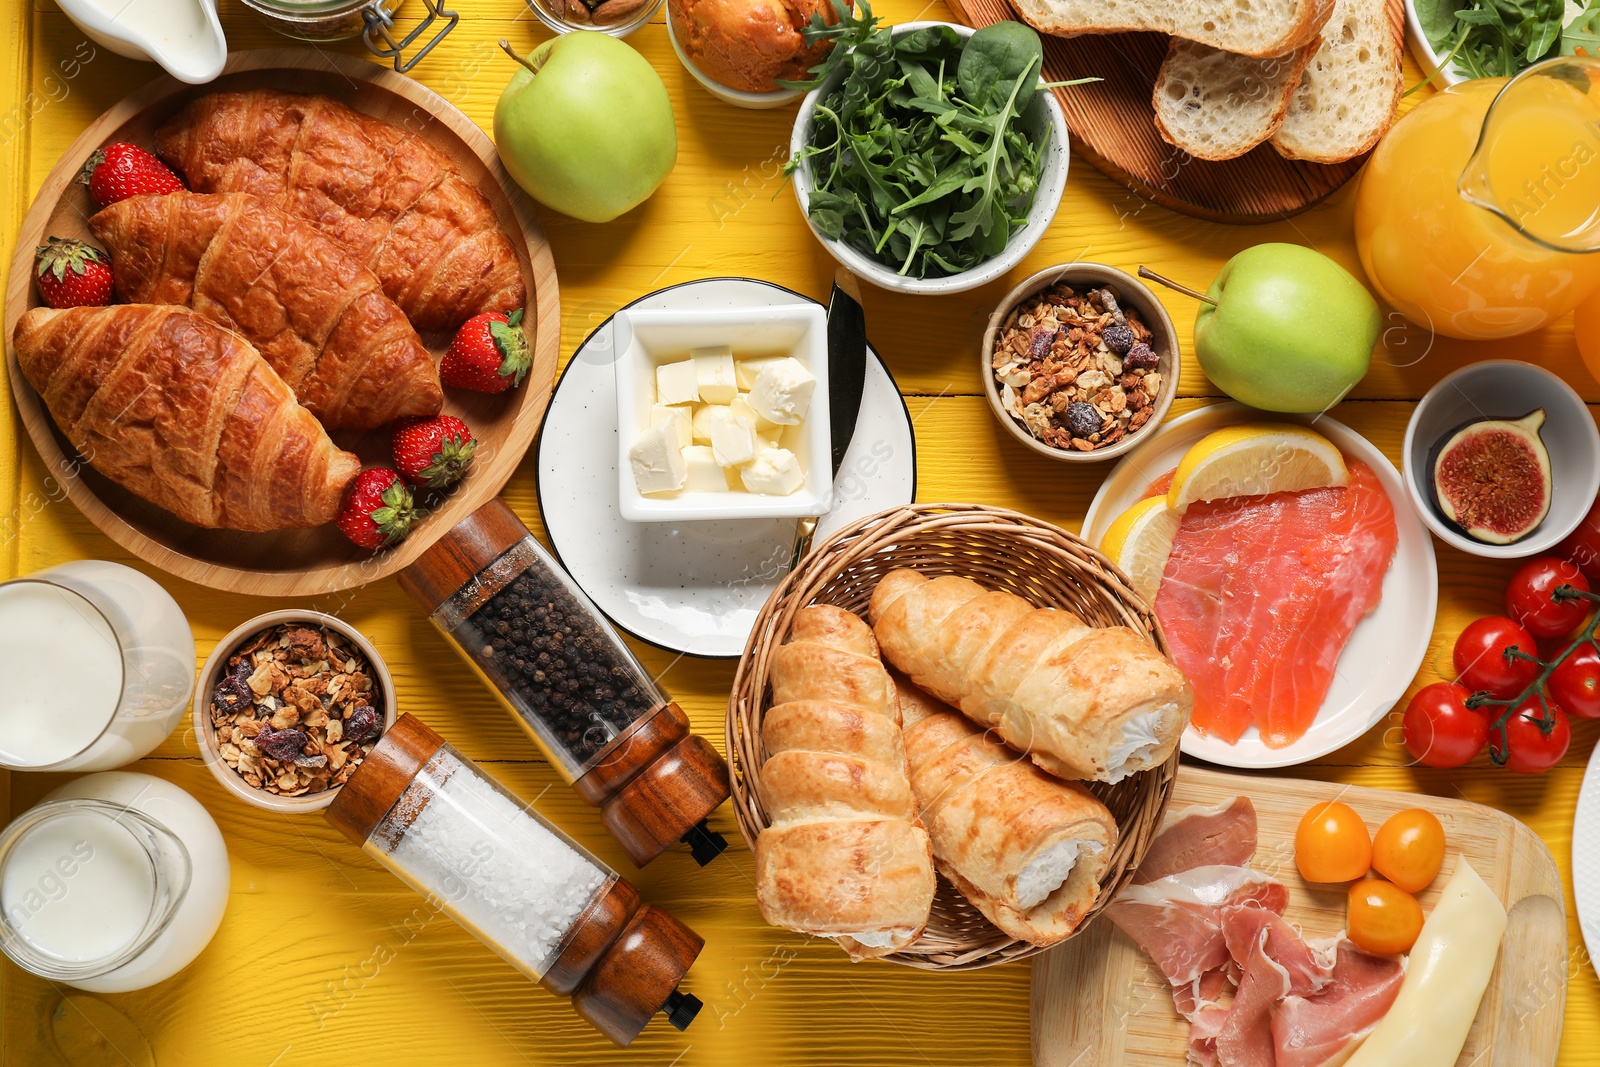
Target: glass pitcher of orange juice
(1479,213)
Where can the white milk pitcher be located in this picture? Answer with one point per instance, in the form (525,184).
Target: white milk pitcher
(183,36)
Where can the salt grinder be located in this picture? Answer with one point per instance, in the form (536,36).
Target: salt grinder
(521,886)
(560,668)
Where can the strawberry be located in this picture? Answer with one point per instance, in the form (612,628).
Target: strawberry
(379,510)
(489,355)
(435,451)
(73,274)
(121,170)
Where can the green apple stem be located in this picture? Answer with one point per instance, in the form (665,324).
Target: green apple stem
(1146,272)
(505,46)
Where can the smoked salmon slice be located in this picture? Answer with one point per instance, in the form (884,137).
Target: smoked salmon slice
(1261,594)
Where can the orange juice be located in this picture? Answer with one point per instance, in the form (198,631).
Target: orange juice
(1455,266)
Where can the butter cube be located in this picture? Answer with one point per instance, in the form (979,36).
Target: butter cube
(746,370)
(714,374)
(675,383)
(677,421)
(782,393)
(658,463)
(705,473)
(740,406)
(702,422)
(774,471)
(733,440)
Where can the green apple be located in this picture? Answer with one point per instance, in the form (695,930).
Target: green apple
(586,127)
(1291,330)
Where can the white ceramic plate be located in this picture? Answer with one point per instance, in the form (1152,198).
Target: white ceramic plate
(694,587)
(1385,649)
(1586,857)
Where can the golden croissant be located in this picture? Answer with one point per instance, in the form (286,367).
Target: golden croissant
(183,413)
(315,314)
(393,200)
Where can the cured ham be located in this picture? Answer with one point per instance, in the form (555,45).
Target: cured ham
(1309,964)
(1317,1031)
(1224,834)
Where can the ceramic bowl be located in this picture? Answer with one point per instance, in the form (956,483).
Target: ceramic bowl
(727,94)
(1045,121)
(646,339)
(217,664)
(1507,389)
(1133,295)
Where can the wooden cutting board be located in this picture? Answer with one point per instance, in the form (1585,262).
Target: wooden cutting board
(1113,127)
(1098,1000)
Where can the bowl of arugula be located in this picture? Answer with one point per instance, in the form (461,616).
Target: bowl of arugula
(927,158)
(1458,40)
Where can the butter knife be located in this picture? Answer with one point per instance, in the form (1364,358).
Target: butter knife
(847,378)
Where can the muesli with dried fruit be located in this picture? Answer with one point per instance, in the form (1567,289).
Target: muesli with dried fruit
(1076,369)
(297,711)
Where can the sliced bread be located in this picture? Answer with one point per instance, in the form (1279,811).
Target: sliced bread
(1348,97)
(1218,105)
(1246,27)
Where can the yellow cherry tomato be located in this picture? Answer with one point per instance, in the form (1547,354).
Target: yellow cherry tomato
(1332,844)
(1383,918)
(1409,849)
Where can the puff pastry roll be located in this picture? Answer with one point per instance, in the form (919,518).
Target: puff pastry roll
(1082,702)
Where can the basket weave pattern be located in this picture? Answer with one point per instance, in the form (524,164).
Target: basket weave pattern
(998,549)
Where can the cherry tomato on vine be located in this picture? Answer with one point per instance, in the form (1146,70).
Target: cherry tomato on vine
(1408,849)
(1440,730)
(1575,683)
(1383,918)
(1482,663)
(1582,545)
(1530,597)
(1532,750)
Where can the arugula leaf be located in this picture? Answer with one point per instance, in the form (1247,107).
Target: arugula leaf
(1582,37)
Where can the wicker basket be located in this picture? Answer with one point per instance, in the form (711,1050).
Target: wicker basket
(998,549)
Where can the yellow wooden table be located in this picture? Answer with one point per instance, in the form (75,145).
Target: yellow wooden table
(324,958)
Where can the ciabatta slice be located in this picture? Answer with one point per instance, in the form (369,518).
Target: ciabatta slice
(1245,27)
(1218,105)
(1350,92)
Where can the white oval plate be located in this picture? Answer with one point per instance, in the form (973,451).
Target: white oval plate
(694,587)
(1385,649)
(1586,856)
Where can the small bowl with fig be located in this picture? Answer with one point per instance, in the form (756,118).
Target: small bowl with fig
(1501,459)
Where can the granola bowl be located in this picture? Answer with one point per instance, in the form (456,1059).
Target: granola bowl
(1062,381)
(310,684)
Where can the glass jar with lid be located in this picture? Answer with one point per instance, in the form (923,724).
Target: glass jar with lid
(540,900)
(373,20)
(566,675)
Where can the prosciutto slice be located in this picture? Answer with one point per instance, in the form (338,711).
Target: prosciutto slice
(1309,964)
(1324,1029)
(1224,835)
(1245,1038)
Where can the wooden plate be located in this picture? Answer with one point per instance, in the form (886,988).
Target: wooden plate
(297,562)
(1113,127)
(1098,999)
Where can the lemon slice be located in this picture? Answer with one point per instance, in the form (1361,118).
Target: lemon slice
(1140,540)
(1253,460)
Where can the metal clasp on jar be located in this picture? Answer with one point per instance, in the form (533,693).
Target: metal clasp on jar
(381,43)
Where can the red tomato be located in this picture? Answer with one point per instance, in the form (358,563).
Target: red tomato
(1575,683)
(1530,597)
(1582,545)
(1481,659)
(1532,749)
(1440,730)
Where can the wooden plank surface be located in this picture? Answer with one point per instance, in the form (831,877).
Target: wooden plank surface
(293,977)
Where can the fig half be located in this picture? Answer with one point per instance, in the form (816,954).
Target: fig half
(1491,478)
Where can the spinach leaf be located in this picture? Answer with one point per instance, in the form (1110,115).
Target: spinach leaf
(995,60)
(1438,21)
(1582,37)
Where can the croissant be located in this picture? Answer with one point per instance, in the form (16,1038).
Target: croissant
(1026,848)
(1083,702)
(183,413)
(315,314)
(843,855)
(393,200)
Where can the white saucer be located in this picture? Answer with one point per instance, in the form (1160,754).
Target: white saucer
(694,587)
(1586,856)
(1386,648)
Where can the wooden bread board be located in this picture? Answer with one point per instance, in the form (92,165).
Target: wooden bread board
(1113,127)
(298,562)
(1098,1000)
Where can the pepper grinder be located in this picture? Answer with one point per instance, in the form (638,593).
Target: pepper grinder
(521,886)
(560,668)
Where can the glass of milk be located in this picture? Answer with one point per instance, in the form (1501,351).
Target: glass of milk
(98,663)
(113,882)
